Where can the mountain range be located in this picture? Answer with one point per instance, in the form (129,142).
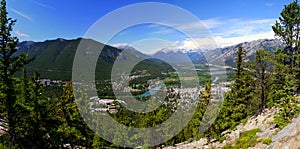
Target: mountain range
(176,56)
(54,58)
(227,54)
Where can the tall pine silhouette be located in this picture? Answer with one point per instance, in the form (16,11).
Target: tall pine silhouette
(9,65)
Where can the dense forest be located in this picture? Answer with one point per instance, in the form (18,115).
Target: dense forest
(33,116)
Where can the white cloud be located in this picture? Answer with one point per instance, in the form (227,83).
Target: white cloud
(21,14)
(239,27)
(220,27)
(228,32)
(223,42)
(212,23)
(20,34)
(41,4)
(161,30)
(202,43)
(119,44)
(150,47)
(212,33)
(219,41)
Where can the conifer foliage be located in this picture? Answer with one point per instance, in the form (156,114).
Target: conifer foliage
(9,65)
(287,30)
(287,66)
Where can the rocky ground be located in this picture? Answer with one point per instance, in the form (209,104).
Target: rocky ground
(287,138)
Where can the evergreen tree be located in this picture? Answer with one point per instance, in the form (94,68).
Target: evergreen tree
(34,123)
(286,71)
(242,89)
(288,30)
(205,95)
(38,114)
(238,102)
(73,129)
(261,69)
(9,65)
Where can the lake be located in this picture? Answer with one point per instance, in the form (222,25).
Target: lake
(149,93)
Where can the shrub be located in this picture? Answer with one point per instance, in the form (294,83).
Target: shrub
(267,141)
(247,139)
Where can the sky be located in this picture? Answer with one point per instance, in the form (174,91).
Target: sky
(224,22)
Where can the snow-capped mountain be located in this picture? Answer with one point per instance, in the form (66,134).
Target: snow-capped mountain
(180,55)
(200,56)
(226,54)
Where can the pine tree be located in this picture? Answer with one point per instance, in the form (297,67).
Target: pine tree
(9,65)
(240,59)
(205,94)
(238,102)
(37,120)
(288,30)
(242,89)
(32,123)
(286,71)
(261,69)
(73,129)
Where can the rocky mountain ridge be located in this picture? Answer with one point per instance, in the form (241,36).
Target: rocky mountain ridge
(226,54)
(288,137)
(229,53)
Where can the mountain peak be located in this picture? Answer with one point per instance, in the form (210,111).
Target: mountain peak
(229,53)
(123,46)
(131,50)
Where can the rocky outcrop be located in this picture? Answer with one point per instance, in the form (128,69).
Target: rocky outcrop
(287,138)
(261,121)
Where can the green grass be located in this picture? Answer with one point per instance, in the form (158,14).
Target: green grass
(227,146)
(267,141)
(247,139)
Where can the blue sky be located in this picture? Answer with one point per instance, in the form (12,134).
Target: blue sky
(229,22)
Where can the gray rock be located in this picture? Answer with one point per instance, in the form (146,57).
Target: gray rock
(288,137)
(288,131)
